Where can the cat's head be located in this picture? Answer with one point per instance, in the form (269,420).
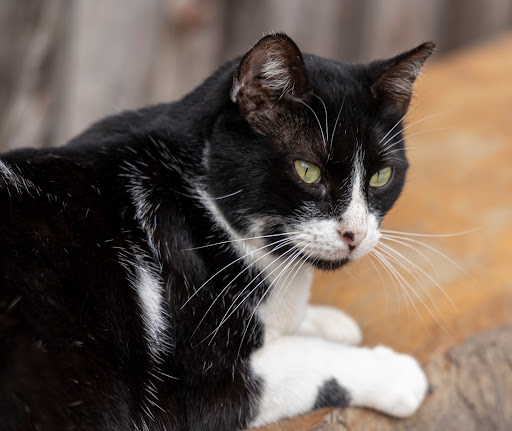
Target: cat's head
(309,153)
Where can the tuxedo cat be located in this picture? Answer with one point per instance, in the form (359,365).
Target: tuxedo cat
(155,271)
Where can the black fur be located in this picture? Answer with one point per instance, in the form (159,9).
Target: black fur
(74,352)
(331,394)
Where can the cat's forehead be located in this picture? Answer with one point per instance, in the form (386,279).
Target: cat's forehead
(339,120)
(341,102)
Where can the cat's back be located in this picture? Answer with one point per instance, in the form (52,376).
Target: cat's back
(59,235)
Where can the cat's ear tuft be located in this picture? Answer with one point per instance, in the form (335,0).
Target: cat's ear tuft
(271,71)
(393,84)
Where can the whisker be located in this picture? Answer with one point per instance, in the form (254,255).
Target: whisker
(326,117)
(405,238)
(226,196)
(397,150)
(398,289)
(395,277)
(385,149)
(290,261)
(397,161)
(226,315)
(407,286)
(416,267)
(413,291)
(406,114)
(239,240)
(302,262)
(426,235)
(317,120)
(411,247)
(336,124)
(380,276)
(227,266)
(296,261)
(246,268)
(410,125)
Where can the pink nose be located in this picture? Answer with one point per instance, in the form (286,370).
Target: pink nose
(353,238)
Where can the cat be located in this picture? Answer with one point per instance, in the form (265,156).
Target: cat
(155,271)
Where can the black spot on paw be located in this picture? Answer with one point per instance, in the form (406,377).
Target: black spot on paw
(331,394)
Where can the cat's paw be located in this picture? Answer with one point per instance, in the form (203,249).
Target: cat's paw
(331,324)
(401,384)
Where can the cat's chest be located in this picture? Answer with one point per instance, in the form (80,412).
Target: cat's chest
(285,306)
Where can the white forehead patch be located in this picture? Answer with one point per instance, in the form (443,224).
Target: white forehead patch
(355,217)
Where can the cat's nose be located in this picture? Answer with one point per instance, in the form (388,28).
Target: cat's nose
(353,238)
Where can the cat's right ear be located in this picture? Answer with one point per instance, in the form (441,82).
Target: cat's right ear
(394,78)
(269,74)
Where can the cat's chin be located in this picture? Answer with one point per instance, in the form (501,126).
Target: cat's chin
(327,265)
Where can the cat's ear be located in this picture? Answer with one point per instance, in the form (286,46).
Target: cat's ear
(269,74)
(393,79)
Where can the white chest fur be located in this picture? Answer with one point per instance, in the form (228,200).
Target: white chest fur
(286,305)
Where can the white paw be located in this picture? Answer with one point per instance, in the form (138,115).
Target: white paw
(331,324)
(400,385)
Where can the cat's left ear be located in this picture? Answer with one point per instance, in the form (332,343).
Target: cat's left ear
(268,75)
(393,79)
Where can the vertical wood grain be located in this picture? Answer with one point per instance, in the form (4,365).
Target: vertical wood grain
(67,63)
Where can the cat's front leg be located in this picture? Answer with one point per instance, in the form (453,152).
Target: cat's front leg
(299,374)
(330,323)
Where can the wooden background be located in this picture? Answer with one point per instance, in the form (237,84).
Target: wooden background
(66,63)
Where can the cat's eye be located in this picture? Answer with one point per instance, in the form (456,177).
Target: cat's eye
(309,172)
(381,178)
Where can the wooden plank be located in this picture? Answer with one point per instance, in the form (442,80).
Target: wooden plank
(110,55)
(31,65)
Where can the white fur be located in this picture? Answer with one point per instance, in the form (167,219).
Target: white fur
(276,74)
(355,217)
(148,287)
(331,324)
(149,291)
(286,305)
(294,368)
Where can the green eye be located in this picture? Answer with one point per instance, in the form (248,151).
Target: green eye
(381,178)
(309,172)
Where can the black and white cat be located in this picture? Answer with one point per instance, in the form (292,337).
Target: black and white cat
(155,271)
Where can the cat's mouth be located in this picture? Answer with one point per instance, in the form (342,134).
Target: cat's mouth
(326,265)
(325,247)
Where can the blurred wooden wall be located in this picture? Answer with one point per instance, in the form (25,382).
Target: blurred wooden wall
(66,63)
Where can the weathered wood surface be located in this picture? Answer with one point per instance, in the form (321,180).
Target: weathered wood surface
(460,179)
